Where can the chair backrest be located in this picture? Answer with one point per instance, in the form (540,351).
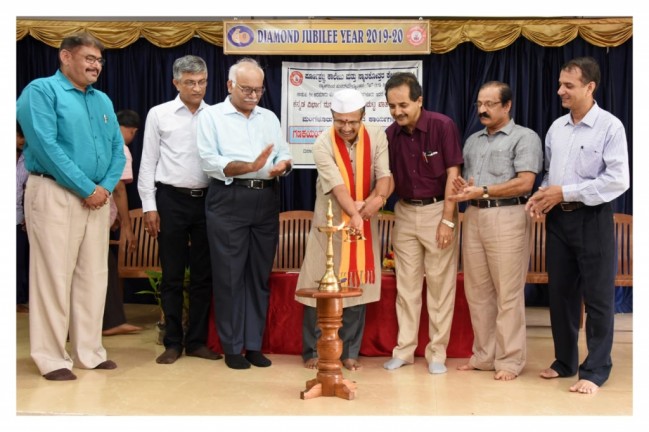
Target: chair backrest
(294,227)
(133,264)
(386,225)
(537,272)
(624,245)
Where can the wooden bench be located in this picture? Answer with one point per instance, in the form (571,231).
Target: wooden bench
(295,227)
(134,264)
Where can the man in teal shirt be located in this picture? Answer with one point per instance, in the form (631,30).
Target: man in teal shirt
(75,157)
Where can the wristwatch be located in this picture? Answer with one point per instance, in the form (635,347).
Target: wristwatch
(485,192)
(448,223)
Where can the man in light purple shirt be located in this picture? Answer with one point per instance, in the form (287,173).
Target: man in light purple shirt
(586,168)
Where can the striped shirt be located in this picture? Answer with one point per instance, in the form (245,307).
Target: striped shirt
(588,159)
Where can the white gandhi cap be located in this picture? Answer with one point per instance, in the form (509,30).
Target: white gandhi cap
(346,101)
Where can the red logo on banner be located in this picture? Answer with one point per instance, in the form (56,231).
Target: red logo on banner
(416,35)
(296,78)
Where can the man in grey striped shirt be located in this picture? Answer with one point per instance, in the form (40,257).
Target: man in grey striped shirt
(586,168)
(501,163)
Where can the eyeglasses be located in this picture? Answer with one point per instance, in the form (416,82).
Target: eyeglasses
(91,59)
(343,123)
(248,90)
(488,104)
(191,84)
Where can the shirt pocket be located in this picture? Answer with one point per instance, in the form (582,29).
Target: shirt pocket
(432,164)
(501,162)
(589,161)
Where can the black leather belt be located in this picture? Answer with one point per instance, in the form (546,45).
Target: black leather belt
(423,201)
(51,177)
(194,193)
(489,203)
(254,183)
(571,206)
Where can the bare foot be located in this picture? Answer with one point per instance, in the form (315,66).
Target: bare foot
(585,387)
(465,367)
(352,364)
(125,328)
(504,376)
(549,373)
(311,363)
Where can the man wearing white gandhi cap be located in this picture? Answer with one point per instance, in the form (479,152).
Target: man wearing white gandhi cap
(353,172)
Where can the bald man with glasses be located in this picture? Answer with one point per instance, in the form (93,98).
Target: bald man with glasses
(243,151)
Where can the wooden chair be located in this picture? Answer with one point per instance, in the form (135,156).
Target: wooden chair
(386,225)
(537,272)
(294,227)
(133,264)
(624,245)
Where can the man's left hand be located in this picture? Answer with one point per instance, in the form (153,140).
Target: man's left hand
(279,168)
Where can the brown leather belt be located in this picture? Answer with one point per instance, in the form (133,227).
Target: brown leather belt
(571,205)
(489,203)
(423,201)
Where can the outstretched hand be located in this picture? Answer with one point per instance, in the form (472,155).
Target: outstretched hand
(463,190)
(261,160)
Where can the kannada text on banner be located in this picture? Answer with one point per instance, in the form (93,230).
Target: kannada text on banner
(307,89)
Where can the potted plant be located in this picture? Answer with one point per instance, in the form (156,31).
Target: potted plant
(155,279)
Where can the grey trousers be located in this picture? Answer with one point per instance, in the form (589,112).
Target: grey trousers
(351,332)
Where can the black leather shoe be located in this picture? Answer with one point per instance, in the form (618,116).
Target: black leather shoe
(169,356)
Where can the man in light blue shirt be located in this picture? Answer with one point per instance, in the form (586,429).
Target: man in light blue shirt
(586,167)
(243,152)
(75,155)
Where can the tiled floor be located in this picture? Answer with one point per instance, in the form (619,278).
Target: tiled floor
(198,387)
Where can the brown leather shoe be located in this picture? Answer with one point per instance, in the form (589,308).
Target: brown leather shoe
(60,375)
(108,364)
(169,356)
(204,352)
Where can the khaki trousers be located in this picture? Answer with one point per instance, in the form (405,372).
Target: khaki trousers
(495,256)
(68,275)
(416,254)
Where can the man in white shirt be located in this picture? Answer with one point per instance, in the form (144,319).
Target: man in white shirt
(173,187)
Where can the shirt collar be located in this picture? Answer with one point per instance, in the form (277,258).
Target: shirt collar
(421,124)
(507,129)
(589,118)
(67,85)
(179,104)
(230,109)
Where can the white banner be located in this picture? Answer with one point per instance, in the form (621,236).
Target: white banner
(307,90)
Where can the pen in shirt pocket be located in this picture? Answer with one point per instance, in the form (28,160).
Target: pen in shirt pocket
(428,154)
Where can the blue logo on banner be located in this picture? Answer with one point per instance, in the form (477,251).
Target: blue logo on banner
(241,36)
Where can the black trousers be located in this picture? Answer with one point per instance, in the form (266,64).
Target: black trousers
(351,333)
(243,230)
(182,220)
(581,263)
(114,309)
